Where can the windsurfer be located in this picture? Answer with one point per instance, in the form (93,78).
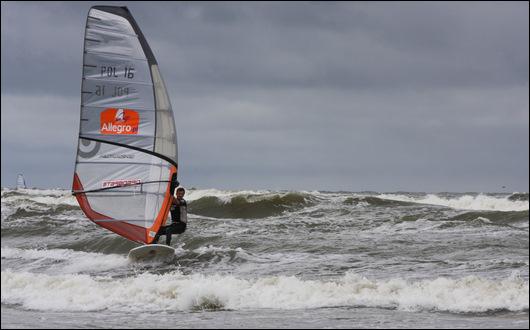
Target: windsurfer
(179,218)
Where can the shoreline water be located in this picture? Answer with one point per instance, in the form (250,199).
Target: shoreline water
(274,259)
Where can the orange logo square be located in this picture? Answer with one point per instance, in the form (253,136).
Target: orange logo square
(119,121)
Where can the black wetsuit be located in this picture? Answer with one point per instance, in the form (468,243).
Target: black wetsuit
(179,219)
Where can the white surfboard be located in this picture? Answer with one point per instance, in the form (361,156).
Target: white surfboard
(151,252)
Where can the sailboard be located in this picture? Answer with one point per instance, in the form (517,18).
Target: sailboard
(126,163)
(151,252)
(21,183)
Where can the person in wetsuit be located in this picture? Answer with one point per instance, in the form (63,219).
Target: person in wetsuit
(179,218)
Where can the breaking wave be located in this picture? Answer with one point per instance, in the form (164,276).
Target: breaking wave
(465,202)
(251,206)
(26,203)
(493,217)
(375,201)
(65,260)
(34,203)
(176,291)
(518,197)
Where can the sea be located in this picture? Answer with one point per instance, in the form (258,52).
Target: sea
(274,259)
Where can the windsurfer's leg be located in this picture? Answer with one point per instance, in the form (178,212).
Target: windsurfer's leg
(168,235)
(175,228)
(179,227)
(161,231)
(155,241)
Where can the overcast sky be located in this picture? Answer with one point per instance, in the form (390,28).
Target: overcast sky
(328,96)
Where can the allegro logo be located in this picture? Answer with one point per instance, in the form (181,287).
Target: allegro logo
(119,121)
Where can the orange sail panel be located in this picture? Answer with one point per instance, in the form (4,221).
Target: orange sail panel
(126,162)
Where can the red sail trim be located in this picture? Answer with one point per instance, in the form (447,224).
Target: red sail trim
(127,230)
(164,210)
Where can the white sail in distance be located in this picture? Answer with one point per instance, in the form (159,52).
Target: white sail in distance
(21,183)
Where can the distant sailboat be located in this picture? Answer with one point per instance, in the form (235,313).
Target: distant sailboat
(21,183)
(127,148)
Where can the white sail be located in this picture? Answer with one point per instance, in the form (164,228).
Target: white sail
(21,183)
(127,149)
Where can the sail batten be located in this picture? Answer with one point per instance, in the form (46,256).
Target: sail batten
(127,149)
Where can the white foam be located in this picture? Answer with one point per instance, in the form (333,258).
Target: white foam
(47,197)
(36,191)
(211,248)
(467,202)
(175,291)
(68,261)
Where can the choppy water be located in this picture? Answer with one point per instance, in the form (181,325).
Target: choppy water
(267,259)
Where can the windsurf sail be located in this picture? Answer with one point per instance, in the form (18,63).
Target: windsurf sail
(126,164)
(21,183)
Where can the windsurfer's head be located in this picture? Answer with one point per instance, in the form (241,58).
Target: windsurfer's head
(180,192)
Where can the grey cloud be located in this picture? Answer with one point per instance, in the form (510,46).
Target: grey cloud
(347,95)
(394,47)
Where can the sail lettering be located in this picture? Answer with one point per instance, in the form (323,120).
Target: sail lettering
(120,91)
(100,90)
(129,73)
(108,71)
(120,182)
(118,129)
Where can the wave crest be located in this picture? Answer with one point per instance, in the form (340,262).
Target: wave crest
(499,218)
(466,202)
(250,206)
(374,201)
